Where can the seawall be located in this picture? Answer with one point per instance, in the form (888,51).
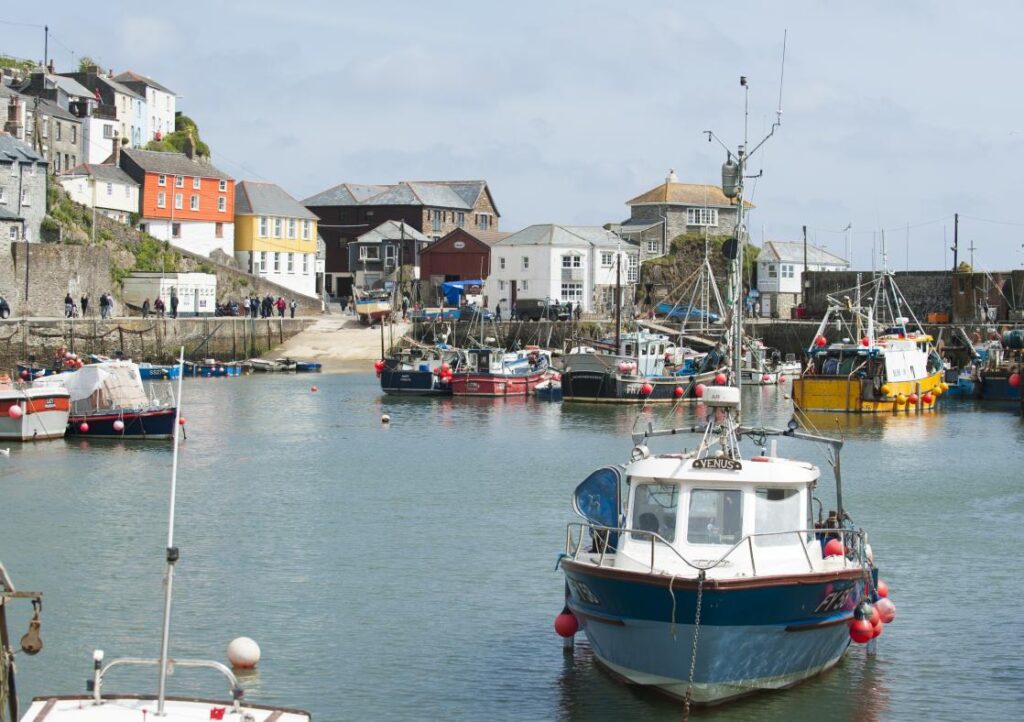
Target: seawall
(155,340)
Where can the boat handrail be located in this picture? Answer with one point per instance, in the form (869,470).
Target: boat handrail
(100,671)
(601,534)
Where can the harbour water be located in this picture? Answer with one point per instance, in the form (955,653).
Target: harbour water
(408,571)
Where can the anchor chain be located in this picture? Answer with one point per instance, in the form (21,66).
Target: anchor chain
(701,575)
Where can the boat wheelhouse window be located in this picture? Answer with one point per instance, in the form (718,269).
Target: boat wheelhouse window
(716,517)
(654,510)
(776,510)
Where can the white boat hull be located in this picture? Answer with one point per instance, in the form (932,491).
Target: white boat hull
(44,414)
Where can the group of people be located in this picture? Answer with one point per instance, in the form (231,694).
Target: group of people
(72,309)
(254,306)
(159,307)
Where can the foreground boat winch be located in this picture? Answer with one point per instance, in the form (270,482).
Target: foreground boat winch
(705,574)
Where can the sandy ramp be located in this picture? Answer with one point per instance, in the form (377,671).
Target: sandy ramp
(339,342)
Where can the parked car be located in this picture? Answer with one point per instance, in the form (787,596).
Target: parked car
(535,309)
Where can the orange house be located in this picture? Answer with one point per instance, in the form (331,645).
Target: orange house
(182,199)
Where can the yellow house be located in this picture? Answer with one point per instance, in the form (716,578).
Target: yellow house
(275,236)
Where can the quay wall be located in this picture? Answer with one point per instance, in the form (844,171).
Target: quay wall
(155,340)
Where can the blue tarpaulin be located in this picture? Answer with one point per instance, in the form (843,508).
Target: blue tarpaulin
(452,290)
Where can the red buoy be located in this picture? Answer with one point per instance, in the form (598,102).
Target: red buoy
(678,392)
(821,342)
(865,341)
(313,389)
(882,588)
(861,631)
(181,421)
(566,624)
(927,399)
(24,373)
(876,629)
(886,610)
(14,412)
(698,390)
(720,379)
(782,379)
(83,427)
(912,399)
(646,389)
(766,378)
(1014,379)
(834,548)
(378,365)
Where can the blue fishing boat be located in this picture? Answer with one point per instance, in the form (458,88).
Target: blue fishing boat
(705,574)
(419,371)
(158,372)
(307,367)
(211,368)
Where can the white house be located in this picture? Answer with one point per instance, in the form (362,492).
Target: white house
(197,292)
(780,268)
(160,104)
(109,188)
(561,263)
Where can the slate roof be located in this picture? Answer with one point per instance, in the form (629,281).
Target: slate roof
(12,149)
(267,199)
(793,252)
(487,237)
(48,107)
(638,226)
(153,161)
(70,86)
(6,215)
(550,234)
(129,76)
(686,194)
(101,172)
(461,195)
(391,231)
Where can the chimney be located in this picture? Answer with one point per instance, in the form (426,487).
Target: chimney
(50,68)
(672,177)
(190,146)
(117,149)
(110,72)
(92,70)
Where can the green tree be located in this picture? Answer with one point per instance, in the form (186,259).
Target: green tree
(175,142)
(84,63)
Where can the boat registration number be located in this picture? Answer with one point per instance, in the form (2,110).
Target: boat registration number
(835,600)
(717,464)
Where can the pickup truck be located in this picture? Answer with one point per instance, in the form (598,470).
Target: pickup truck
(535,309)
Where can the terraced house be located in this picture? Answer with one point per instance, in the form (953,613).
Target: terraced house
(433,208)
(275,236)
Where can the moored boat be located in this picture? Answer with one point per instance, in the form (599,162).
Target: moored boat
(373,306)
(864,369)
(108,399)
(29,413)
(705,575)
(211,368)
(497,373)
(419,371)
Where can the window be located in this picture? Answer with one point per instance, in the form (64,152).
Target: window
(74,134)
(222,204)
(179,181)
(632,268)
(526,262)
(436,217)
(771,271)
(222,186)
(66,164)
(277,262)
(263,261)
(607,259)
(653,246)
(108,131)
(57,135)
(110,189)
(197,183)
(14,233)
(56,162)
(24,197)
(175,230)
(787,270)
(3,197)
(264,226)
(291,228)
(501,262)
(461,220)
(525,285)
(278,226)
(702,216)
(161,180)
(777,510)
(194,203)
(501,285)
(572,261)
(369,253)
(161,200)
(218,230)
(177,201)
(305,230)
(291,266)
(46,127)
(572,292)
(305,263)
(654,510)
(716,517)
(483,221)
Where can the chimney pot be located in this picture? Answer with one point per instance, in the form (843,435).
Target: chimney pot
(117,149)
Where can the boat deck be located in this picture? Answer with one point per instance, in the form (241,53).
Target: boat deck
(81,708)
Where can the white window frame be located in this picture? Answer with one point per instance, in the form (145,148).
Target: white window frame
(222,186)
(653,246)
(179,181)
(291,228)
(501,262)
(197,182)
(222,204)
(278,228)
(161,199)
(161,180)
(525,285)
(193,203)
(501,285)
(305,264)
(365,255)
(178,201)
(632,268)
(772,272)
(291,263)
(277,262)
(572,292)
(526,263)
(13,233)
(572,260)
(702,216)
(607,259)
(264,226)
(25,200)
(305,229)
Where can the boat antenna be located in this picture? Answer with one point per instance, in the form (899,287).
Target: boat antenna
(733,174)
(172,551)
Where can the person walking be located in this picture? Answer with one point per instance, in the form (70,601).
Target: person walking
(281,305)
(110,304)
(405,306)
(145,308)
(174,304)
(291,307)
(579,310)
(497,312)
(103,306)
(85,303)
(245,306)
(158,306)
(69,304)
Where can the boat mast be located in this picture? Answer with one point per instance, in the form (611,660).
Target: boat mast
(172,551)
(618,299)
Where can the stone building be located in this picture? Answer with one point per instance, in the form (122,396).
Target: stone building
(22,190)
(674,208)
(433,208)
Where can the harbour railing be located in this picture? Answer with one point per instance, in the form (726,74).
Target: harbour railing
(854,545)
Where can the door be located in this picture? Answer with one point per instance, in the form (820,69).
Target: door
(514,289)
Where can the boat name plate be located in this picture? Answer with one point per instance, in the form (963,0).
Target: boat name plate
(717,464)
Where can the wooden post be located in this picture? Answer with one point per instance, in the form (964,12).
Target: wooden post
(234,346)
(120,338)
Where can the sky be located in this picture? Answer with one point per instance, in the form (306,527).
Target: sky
(895,115)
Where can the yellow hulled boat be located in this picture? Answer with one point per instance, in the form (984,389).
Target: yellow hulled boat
(895,370)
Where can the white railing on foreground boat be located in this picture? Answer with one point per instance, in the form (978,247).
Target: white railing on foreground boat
(601,534)
(99,672)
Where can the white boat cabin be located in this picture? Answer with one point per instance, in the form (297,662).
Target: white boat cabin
(505,363)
